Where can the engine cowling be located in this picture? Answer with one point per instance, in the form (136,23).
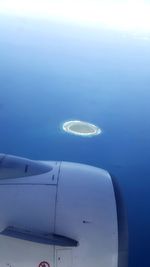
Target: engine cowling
(62,204)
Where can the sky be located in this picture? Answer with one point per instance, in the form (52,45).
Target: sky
(124,15)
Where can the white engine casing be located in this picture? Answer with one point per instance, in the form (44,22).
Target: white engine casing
(72,200)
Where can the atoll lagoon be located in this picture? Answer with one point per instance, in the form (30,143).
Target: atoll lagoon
(81,128)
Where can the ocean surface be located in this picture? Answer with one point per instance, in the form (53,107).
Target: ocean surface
(52,72)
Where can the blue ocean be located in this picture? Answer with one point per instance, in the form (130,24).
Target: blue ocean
(53,72)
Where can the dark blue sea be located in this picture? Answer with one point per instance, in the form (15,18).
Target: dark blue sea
(52,72)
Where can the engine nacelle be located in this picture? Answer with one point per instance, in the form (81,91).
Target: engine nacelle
(68,214)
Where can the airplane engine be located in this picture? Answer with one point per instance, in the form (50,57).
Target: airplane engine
(60,214)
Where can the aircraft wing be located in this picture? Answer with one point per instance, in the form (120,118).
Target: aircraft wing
(49,239)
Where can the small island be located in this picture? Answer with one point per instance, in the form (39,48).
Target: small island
(81,128)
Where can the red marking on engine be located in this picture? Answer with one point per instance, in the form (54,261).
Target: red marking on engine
(44,264)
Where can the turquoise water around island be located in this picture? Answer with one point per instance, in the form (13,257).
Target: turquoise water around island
(51,73)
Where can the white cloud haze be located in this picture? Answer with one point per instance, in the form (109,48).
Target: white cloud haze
(129,15)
